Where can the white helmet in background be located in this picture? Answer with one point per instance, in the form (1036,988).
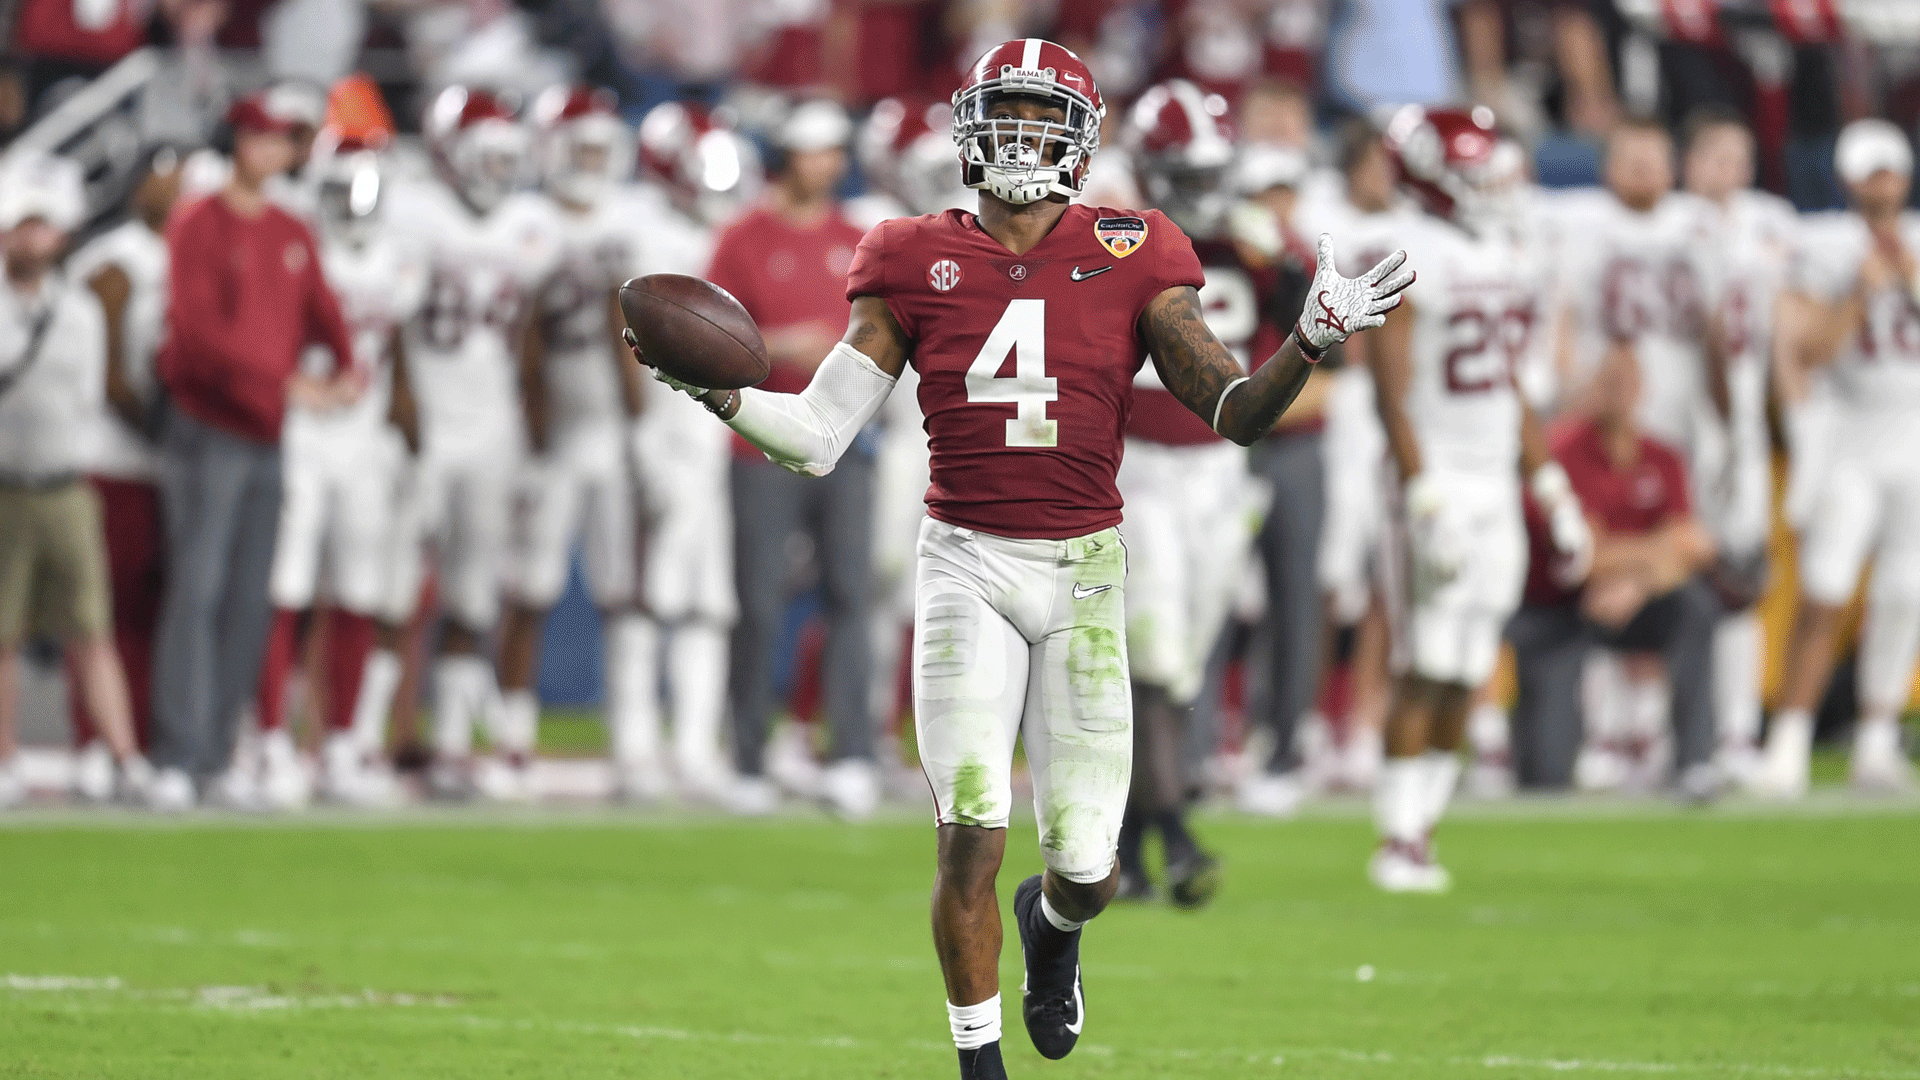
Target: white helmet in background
(586,149)
(478,145)
(711,171)
(907,151)
(349,185)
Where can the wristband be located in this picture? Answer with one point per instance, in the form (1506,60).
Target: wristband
(1313,355)
(732,398)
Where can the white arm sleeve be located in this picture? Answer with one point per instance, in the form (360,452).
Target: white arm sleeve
(807,432)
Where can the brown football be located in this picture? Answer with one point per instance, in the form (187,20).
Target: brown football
(694,331)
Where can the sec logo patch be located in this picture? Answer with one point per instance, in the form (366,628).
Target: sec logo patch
(1120,235)
(943,275)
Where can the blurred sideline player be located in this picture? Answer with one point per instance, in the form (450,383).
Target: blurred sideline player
(1019,627)
(1635,277)
(1456,426)
(703,175)
(905,150)
(345,472)
(786,262)
(1366,211)
(1752,234)
(579,398)
(1186,489)
(126,267)
(488,247)
(1858,272)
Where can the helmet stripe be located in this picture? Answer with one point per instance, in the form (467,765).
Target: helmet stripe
(1030,54)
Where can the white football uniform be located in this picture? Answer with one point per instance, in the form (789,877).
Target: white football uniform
(1190,503)
(582,484)
(1869,495)
(345,470)
(1750,240)
(141,254)
(1355,443)
(681,456)
(462,359)
(1643,278)
(1474,307)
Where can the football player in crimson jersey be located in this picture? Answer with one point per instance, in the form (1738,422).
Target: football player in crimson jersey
(1026,323)
(1456,427)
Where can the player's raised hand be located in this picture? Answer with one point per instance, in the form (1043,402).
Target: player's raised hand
(1339,307)
(695,392)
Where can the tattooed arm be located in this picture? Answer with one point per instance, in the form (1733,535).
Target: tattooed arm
(1198,370)
(1204,376)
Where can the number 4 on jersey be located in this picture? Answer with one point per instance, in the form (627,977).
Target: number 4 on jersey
(1023,332)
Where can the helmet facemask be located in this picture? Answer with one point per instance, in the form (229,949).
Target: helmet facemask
(1196,198)
(490,162)
(349,197)
(588,158)
(1019,160)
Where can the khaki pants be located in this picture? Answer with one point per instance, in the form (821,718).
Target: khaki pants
(53,564)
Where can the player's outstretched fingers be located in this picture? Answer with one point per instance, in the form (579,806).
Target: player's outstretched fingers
(626,335)
(1396,284)
(1323,252)
(1387,266)
(1383,304)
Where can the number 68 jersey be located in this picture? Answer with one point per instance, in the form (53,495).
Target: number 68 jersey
(1026,362)
(1475,306)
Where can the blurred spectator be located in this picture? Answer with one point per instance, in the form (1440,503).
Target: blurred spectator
(787,263)
(126,267)
(66,39)
(247,297)
(1392,52)
(53,565)
(1641,599)
(185,99)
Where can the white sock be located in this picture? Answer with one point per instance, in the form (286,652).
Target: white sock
(517,724)
(697,671)
(1060,922)
(1442,769)
(1791,734)
(1487,733)
(633,689)
(1738,646)
(1888,640)
(1876,736)
(379,681)
(1400,799)
(1603,688)
(461,684)
(975,1026)
(1647,707)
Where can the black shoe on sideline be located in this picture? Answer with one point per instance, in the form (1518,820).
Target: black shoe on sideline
(1051,999)
(1193,879)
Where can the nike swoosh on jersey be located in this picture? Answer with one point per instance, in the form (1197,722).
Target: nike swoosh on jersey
(1078,276)
(1081,592)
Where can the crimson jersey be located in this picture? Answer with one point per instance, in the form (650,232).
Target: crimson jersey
(1026,362)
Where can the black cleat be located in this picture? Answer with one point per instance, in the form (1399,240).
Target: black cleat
(1193,879)
(1136,888)
(1051,999)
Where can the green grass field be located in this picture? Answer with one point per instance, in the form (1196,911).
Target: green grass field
(1639,939)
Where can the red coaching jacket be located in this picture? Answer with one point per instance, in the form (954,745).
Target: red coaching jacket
(247,296)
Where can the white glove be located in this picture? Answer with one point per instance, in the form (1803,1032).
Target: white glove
(1436,545)
(1566,522)
(1339,307)
(687,388)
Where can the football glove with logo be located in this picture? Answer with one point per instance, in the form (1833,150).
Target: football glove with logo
(1339,307)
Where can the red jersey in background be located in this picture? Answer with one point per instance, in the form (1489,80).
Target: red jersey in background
(1026,362)
(1635,500)
(246,296)
(787,277)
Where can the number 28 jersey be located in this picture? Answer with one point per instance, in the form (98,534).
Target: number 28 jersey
(1026,362)
(1475,306)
